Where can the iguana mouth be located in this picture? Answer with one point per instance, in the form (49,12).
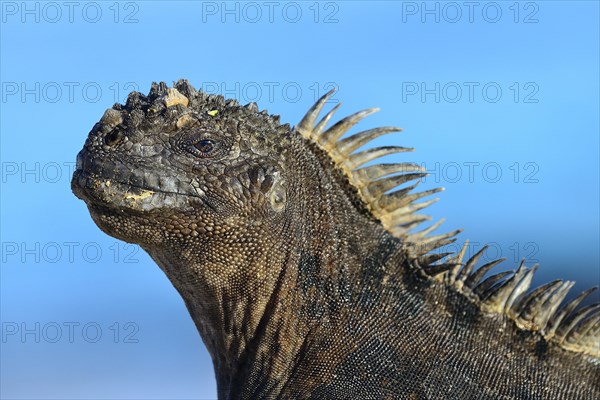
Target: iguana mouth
(94,188)
(115,184)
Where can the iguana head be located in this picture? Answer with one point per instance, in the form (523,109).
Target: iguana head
(182,163)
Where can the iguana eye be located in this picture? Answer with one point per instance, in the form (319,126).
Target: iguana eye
(205,146)
(202,147)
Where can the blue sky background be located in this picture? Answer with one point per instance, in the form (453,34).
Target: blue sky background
(532,117)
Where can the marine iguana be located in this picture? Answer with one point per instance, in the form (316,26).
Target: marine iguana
(301,267)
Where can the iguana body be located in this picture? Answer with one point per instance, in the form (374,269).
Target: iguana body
(302,274)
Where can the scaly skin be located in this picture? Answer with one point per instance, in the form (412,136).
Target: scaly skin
(297,290)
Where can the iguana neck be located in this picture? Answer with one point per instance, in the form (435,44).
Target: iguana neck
(257,318)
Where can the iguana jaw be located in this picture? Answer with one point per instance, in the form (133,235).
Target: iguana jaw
(113,182)
(112,193)
(132,205)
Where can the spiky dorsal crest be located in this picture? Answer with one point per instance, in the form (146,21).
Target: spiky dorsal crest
(504,293)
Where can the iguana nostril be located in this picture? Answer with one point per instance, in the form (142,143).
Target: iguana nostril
(113,138)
